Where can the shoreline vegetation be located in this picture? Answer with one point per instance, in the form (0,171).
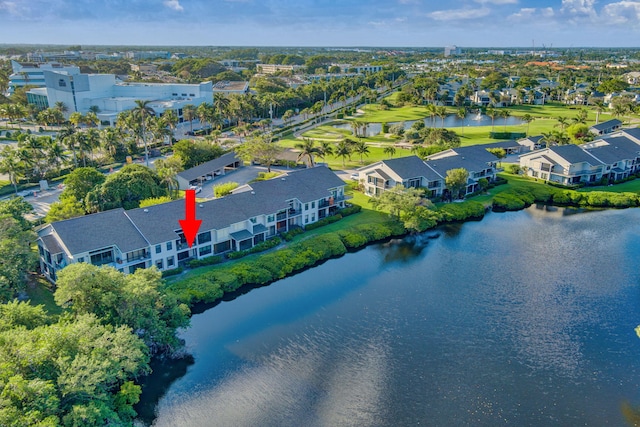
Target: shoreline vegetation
(361,226)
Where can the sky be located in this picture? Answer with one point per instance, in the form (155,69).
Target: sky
(400,23)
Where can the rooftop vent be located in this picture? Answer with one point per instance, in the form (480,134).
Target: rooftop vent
(253,192)
(146,210)
(283,179)
(201,205)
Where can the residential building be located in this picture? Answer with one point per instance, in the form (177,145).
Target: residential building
(274,68)
(80,92)
(429,174)
(611,158)
(532,142)
(150,54)
(607,127)
(151,236)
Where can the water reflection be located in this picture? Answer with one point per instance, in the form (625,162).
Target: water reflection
(523,318)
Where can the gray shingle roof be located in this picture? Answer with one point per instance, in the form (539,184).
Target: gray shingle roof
(159,223)
(51,244)
(208,167)
(616,149)
(99,230)
(574,154)
(469,162)
(606,125)
(634,132)
(411,167)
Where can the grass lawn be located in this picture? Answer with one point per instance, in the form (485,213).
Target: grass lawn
(40,291)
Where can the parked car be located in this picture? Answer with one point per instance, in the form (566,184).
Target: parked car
(355,176)
(197,188)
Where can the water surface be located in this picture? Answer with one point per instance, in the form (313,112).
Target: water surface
(523,318)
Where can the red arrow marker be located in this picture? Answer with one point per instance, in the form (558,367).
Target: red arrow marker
(190,224)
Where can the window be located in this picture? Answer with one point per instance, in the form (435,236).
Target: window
(204,250)
(270,218)
(169,246)
(313,217)
(204,237)
(81,259)
(253,220)
(306,206)
(306,219)
(135,255)
(183,255)
(159,264)
(62,83)
(158,249)
(101,257)
(170,262)
(313,205)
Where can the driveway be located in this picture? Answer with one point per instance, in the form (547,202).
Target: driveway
(241,176)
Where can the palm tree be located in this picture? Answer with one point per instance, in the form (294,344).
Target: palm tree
(362,149)
(91,119)
(65,135)
(343,149)
(461,113)
(205,113)
(598,106)
(505,115)
(142,112)
(76,119)
(307,149)
(528,118)
(171,121)
(110,139)
(188,114)
(442,113)
(56,155)
(493,113)
(390,150)
(563,122)
(11,165)
(431,111)
(325,149)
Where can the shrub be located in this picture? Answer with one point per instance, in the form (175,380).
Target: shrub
(461,211)
(174,272)
(293,232)
(260,247)
(211,260)
(508,202)
(514,169)
(324,221)
(350,210)
(222,190)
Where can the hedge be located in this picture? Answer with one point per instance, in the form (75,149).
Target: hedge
(461,211)
(260,247)
(272,266)
(324,221)
(211,260)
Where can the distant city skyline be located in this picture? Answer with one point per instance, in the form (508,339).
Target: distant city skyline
(410,23)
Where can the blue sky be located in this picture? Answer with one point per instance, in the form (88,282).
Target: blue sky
(473,23)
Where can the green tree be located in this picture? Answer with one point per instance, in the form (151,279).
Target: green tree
(225,189)
(125,189)
(500,153)
(79,183)
(528,118)
(16,256)
(64,208)
(344,150)
(390,150)
(456,181)
(195,153)
(12,165)
(398,200)
(259,149)
(142,111)
(579,133)
(362,149)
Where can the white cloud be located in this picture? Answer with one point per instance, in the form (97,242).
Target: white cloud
(497,1)
(529,13)
(173,4)
(458,14)
(623,12)
(579,8)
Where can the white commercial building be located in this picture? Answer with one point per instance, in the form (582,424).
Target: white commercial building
(80,92)
(32,74)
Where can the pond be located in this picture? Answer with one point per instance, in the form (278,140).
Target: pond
(451,121)
(523,318)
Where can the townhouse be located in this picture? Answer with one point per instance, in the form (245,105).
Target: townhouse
(144,237)
(604,128)
(607,159)
(430,173)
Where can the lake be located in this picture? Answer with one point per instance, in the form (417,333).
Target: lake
(451,121)
(523,318)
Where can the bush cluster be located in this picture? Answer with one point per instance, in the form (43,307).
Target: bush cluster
(293,232)
(173,272)
(461,211)
(507,135)
(211,260)
(323,221)
(260,247)
(350,210)
(271,266)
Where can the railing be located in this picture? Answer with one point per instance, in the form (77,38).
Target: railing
(281,216)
